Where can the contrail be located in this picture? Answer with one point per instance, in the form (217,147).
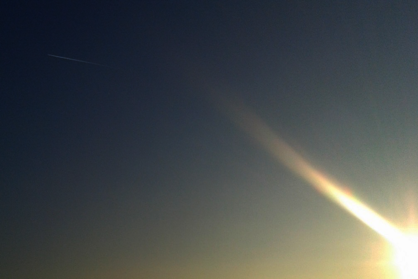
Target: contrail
(77,60)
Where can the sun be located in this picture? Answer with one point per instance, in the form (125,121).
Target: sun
(405,245)
(406,256)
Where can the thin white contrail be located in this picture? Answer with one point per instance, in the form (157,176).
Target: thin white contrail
(77,60)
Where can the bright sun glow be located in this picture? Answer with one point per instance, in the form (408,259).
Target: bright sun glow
(406,257)
(405,245)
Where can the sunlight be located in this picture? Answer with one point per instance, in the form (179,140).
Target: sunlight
(405,245)
(285,154)
(406,256)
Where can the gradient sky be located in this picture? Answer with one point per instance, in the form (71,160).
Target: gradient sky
(130,171)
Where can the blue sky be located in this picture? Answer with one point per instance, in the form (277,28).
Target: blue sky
(132,172)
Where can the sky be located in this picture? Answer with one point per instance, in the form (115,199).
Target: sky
(129,169)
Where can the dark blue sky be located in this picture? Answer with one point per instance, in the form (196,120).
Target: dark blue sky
(130,171)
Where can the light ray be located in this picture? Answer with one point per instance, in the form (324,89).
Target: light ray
(405,244)
(283,153)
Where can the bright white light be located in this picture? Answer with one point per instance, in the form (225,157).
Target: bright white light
(405,245)
(406,257)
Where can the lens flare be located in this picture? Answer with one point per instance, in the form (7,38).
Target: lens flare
(405,245)
(280,150)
